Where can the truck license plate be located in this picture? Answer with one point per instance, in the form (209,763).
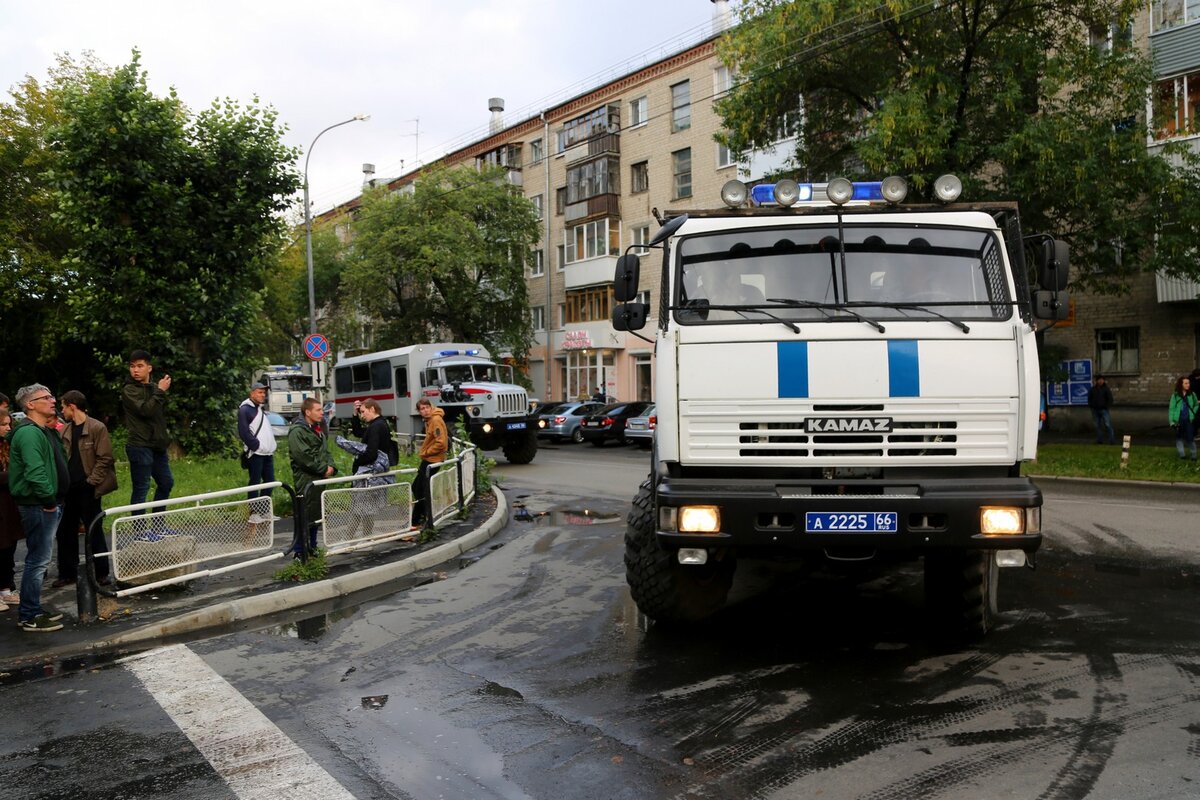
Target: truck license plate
(850,522)
(516,426)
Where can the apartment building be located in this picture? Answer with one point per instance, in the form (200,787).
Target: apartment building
(1144,340)
(598,166)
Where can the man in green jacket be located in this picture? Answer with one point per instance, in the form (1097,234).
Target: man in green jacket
(38,479)
(308,450)
(144,403)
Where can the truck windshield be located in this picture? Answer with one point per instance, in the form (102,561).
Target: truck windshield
(465,373)
(796,274)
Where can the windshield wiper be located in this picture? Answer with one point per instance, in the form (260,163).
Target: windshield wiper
(822,307)
(918,307)
(701,306)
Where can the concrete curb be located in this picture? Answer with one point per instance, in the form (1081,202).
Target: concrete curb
(273,602)
(1114,481)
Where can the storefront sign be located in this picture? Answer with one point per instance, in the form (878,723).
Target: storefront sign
(576,340)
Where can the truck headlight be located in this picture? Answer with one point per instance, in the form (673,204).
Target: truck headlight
(487,427)
(1001,520)
(699,519)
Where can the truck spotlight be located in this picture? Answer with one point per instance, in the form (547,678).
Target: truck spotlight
(699,519)
(1001,520)
(1010,558)
(787,192)
(733,193)
(894,189)
(947,188)
(487,427)
(474,411)
(839,191)
(695,555)
(541,423)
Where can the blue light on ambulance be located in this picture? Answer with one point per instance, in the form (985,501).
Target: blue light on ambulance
(764,194)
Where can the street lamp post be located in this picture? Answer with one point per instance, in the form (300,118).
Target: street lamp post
(312,298)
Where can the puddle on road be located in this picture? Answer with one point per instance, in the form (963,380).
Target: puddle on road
(564,516)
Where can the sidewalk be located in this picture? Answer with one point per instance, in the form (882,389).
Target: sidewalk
(215,602)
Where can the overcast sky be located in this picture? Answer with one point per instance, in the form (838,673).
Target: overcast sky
(436,61)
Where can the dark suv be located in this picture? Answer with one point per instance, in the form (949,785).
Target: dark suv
(608,423)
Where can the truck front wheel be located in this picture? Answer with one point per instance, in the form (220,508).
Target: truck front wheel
(961,590)
(664,589)
(521,449)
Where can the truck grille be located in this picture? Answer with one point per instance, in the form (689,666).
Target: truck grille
(948,433)
(509,404)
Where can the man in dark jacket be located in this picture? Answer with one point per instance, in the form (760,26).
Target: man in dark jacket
(308,450)
(38,480)
(146,424)
(1100,400)
(90,464)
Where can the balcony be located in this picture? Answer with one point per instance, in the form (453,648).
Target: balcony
(590,272)
(602,205)
(604,144)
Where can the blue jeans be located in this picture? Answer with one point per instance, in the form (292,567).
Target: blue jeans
(144,463)
(262,470)
(1185,438)
(1103,420)
(40,527)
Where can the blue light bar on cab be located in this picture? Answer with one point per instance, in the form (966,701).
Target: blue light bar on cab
(868,190)
(449,352)
(764,194)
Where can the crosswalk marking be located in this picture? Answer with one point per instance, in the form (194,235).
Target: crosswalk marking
(253,756)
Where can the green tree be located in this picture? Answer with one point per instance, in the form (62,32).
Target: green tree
(1010,95)
(447,260)
(176,218)
(33,241)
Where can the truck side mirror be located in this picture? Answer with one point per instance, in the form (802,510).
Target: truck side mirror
(1053,262)
(630,316)
(1050,305)
(625,281)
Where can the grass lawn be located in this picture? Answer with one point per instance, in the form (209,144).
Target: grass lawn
(1146,463)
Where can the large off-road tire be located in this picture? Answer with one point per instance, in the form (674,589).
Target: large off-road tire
(664,589)
(520,449)
(961,590)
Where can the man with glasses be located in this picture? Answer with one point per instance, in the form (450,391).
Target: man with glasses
(38,479)
(146,424)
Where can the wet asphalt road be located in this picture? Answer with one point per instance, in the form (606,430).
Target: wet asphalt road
(528,673)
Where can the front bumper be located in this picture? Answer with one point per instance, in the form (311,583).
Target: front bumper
(770,514)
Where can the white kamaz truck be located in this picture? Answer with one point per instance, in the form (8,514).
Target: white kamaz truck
(460,378)
(841,378)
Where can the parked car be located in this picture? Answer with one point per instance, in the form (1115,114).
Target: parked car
(562,421)
(608,423)
(279,425)
(640,429)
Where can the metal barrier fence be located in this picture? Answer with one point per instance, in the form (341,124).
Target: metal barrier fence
(355,515)
(166,539)
(164,542)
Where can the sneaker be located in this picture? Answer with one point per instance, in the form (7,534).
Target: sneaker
(148,536)
(3,607)
(9,596)
(39,624)
(52,614)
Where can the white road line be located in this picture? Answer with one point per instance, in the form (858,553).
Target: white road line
(1058,500)
(246,749)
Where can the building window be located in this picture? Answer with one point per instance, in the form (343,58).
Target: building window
(537,266)
(681,171)
(725,157)
(639,177)
(681,106)
(593,304)
(593,178)
(562,262)
(638,112)
(605,119)
(537,205)
(535,151)
(560,201)
(1110,38)
(641,236)
(722,82)
(1177,106)
(592,240)
(643,297)
(562,314)
(537,315)
(1117,350)
(1173,13)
